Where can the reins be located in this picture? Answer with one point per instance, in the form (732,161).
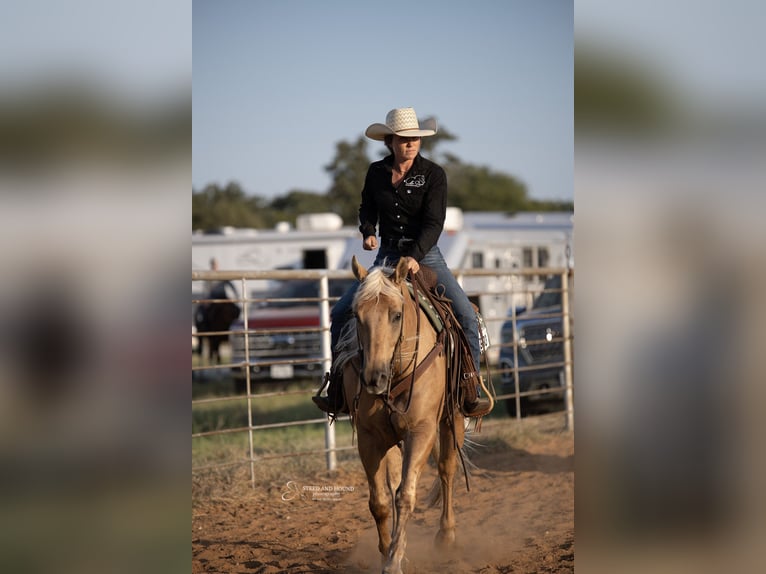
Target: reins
(396,387)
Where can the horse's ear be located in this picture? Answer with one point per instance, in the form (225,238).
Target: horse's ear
(359,271)
(400,273)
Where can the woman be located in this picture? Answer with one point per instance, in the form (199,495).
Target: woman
(406,196)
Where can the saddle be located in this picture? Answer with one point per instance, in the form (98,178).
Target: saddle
(462,374)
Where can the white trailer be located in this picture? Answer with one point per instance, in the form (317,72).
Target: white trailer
(318,243)
(470,240)
(534,241)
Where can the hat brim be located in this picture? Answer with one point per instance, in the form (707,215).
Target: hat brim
(379,132)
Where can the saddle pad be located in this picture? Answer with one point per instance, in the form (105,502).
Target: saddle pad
(428,309)
(437,324)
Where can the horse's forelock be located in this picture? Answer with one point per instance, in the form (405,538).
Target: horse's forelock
(377,284)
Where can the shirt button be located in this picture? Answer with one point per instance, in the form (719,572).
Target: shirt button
(401,227)
(398,216)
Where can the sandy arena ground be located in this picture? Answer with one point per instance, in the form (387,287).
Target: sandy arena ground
(518,517)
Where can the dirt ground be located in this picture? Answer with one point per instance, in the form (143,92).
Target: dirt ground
(518,517)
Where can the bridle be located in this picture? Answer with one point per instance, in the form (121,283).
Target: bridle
(395,386)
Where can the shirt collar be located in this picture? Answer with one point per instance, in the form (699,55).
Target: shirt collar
(388,162)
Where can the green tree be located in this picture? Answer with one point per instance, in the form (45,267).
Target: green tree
(296,202)
(214,207)
(550,205)
(471,187)
(428,145)
(478,188)
(348,170)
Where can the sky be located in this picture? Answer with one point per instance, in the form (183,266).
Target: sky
(277,84)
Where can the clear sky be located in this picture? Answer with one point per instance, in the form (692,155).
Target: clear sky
(276,84)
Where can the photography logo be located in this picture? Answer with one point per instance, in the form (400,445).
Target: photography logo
(324,492)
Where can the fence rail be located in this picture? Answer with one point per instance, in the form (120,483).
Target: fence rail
(323,302)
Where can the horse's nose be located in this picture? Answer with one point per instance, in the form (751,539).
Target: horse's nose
(377,382)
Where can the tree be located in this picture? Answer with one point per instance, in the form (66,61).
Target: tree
(296,202)
(428,144)
(550,205)
(215,207)
(471,187)
(348,170)
(477,188)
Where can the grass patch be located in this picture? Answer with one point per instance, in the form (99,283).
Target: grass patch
(499,433)
(267,408)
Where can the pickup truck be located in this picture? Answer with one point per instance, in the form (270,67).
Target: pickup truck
(284,334)
(538,340)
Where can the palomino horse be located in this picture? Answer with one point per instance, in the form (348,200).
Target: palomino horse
(396,435)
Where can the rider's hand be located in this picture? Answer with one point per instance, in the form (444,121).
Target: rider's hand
(412,265)
(370,243)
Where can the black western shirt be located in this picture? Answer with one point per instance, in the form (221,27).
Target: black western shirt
(413,210)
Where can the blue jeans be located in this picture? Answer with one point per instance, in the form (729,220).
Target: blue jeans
(461,306)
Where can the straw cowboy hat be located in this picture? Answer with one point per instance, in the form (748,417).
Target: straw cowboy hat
(401,122)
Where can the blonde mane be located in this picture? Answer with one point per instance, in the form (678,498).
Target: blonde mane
(375,285)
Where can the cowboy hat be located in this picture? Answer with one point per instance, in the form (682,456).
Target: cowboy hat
(401,122)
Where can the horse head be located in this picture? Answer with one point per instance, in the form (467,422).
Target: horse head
(379,307)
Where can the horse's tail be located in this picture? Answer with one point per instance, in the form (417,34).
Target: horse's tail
(434,497)
(465,466)
(348,344)
(435,493)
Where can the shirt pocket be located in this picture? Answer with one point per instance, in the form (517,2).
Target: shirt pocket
(412,198)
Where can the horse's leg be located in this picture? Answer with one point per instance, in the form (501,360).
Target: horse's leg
(445,537)
(394,477)
(215,343)
(378,463)
(417,447)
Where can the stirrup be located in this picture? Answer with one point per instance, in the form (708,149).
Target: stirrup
(323,403)
(478,408)
(334,403)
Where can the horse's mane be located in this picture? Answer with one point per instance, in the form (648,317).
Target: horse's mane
(375,285)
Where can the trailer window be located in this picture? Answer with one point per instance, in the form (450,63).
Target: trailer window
(477,260)
(315,259)
(542,257)
(528,259)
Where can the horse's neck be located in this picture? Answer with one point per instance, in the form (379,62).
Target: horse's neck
(417,332)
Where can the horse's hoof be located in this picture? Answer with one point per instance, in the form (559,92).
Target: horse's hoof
(445,539)
(391,570)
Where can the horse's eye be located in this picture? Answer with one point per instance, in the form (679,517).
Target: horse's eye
(396,317)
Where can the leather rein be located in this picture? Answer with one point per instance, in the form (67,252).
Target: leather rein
(397,386)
